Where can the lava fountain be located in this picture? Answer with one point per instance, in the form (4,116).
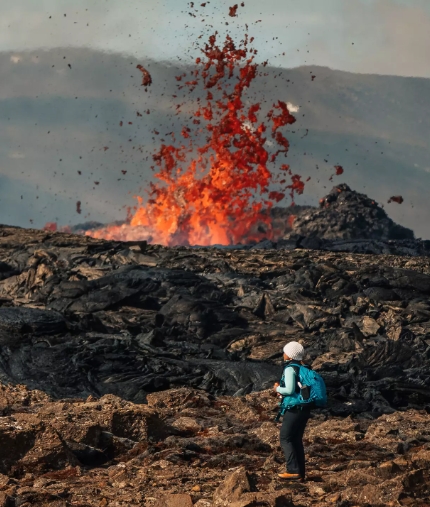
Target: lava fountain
(217,185)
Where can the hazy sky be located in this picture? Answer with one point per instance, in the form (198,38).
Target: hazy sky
(369,36)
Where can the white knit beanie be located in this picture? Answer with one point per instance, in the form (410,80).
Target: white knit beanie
(294,350)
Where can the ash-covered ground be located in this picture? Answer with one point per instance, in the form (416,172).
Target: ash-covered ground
(147,370)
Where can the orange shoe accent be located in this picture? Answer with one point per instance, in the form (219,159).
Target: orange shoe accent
(290,477)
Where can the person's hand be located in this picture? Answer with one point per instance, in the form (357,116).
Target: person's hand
(275,386)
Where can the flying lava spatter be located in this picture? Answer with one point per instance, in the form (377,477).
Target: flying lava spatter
(218,190)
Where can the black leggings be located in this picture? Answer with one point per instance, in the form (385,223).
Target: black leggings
(291,437)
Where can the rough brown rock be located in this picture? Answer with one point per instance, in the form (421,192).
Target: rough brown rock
(178,500)
(232,461)
(232,488)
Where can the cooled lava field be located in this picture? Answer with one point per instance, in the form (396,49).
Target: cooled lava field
(135,374)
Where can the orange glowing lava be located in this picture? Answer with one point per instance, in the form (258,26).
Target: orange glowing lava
(217,191)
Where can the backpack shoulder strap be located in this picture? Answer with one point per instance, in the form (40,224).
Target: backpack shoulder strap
(296,368)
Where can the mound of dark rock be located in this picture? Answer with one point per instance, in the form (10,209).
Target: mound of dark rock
(345,214)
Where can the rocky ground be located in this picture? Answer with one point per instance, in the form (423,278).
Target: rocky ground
(186,447)
(84,317)
(147,370)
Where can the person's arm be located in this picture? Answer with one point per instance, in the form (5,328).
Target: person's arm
(290,382)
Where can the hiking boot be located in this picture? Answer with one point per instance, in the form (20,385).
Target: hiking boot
(290,477)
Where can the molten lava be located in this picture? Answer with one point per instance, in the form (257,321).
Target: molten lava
(146,76)
(396,198)
(217,191)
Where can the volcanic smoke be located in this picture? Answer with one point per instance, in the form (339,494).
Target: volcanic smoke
(217,186)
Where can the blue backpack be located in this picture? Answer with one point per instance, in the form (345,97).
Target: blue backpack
(313,387)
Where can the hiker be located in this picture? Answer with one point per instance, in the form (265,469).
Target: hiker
(295,409)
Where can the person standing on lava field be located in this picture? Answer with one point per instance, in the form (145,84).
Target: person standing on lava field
(295,418)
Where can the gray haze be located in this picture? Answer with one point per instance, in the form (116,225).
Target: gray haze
(367,36)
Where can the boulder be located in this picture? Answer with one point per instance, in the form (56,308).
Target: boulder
(232,488)
(175,500)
